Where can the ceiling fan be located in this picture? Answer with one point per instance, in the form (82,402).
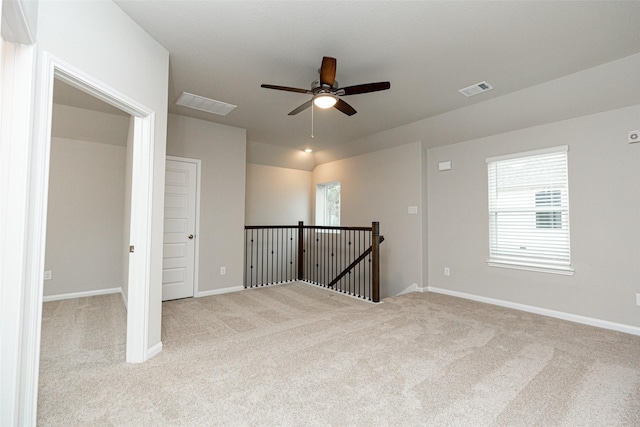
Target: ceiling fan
(326,92)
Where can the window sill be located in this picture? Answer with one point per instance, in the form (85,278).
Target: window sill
(564,271)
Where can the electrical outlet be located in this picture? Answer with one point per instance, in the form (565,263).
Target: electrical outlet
(47,275)
(447,271)
(634,136)
(223,270)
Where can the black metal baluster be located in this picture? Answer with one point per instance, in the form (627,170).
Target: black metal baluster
(279,255)
(254,270)
(262,264)
(357,292)
(346,259)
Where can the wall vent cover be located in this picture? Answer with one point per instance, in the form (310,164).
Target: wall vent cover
(201,103)
(476,89)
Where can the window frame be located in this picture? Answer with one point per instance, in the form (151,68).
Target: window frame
(503,212)
(321,205)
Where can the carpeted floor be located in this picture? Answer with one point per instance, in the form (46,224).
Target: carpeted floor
(297,355)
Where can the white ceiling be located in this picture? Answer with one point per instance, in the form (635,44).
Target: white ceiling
(428,50)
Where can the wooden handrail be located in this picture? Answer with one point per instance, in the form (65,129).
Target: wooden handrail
(308,227)
(353,264)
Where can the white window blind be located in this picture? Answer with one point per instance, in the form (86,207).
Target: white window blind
(529,211)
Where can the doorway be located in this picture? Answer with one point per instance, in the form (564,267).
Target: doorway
(88,217)
(141,194)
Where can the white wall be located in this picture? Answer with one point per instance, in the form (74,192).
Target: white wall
(604,178)
(85,216)
(277,196)
(222,150)
(99,39)
(380,187)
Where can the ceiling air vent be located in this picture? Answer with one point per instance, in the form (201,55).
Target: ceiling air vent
(476,89)
(201,103)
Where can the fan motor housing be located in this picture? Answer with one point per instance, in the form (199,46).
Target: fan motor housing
(316,85)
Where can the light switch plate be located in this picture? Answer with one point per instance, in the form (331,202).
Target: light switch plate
(412,210)
(444,166)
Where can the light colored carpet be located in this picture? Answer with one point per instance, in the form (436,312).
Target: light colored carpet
(296,355)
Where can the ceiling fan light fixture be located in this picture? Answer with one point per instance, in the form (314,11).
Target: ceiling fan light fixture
(325,100)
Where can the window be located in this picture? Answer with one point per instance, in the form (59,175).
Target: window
(529,211)
(328,204)
(549,219)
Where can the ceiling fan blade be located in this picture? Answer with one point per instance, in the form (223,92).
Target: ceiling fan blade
(328,71)
(285,88)
(301,108)
(365,88)
(345,108)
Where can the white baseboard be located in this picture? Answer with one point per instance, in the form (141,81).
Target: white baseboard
(124,298)
(412,288)
(220,291)
(83,294)
(605,324)
(154,351)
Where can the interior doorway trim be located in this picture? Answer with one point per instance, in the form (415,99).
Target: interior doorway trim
(141,210)
(17,404)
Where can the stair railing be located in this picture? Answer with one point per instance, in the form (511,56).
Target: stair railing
(346,259)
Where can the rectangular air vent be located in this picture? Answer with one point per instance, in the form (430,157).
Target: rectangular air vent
(476,89)
(201,103)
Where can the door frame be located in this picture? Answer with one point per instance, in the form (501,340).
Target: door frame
(196,249)
(19,385)
(141,194)
(37,195)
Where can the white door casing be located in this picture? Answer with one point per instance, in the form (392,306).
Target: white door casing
(179,273)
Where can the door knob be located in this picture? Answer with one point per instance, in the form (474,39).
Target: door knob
(190,236)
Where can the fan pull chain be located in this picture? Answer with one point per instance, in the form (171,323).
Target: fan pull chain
(312,120)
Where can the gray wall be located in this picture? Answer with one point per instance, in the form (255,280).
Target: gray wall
(283,157)
(380,187)
(222,150)
(604,197)
(85,216)
(87,125)
(277,196)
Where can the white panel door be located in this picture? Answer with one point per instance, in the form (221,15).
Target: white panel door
(178,264)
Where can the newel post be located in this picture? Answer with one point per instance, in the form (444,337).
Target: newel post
(300,250)
(375,261)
